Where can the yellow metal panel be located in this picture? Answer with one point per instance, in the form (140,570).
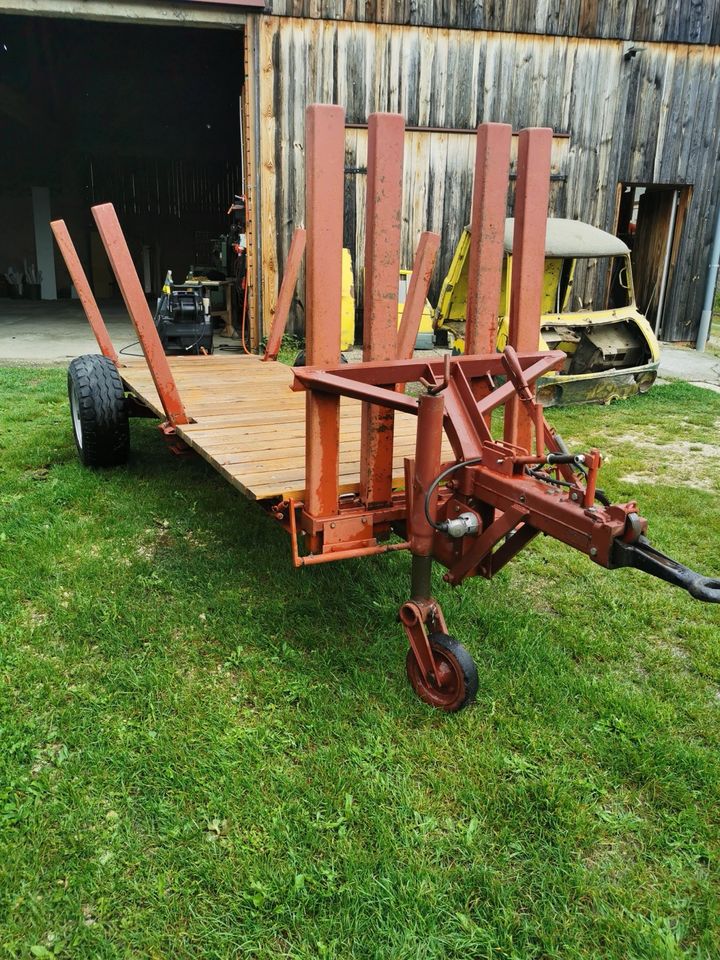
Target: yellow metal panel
(347,303)
(452,304)
(425,330)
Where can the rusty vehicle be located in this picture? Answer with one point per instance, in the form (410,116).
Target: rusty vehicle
(344,458)
(610,347)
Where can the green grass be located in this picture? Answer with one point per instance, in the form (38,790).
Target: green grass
(204,754)
(713,344)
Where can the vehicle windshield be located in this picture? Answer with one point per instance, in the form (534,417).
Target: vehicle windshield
(595,283)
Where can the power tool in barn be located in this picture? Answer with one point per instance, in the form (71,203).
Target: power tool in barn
(182,319)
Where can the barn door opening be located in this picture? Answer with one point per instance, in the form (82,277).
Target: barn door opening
(141,115)
(650,220)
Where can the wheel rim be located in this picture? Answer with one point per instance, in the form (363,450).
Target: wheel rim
(453,691)
(75,413)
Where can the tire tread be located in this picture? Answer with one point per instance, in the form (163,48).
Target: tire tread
(103,411)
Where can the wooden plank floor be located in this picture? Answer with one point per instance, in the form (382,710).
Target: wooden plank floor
(250,425)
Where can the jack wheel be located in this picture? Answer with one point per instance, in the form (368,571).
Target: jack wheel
(458,673)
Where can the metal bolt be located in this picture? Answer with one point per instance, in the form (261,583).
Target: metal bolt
(522,498)
(332,525)
(573,496)
(364,520)
(593,551)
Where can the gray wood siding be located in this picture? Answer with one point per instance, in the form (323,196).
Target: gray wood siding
(675,21)
(653,118)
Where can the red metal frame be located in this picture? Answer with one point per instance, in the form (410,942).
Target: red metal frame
(500,481)
(476,513)
(285,295)
(132,293)
(81,284)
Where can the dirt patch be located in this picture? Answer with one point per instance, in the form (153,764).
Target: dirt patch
(697,483)
(159,538)
(688,463)
(673,448)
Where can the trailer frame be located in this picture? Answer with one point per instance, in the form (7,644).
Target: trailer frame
(368,457)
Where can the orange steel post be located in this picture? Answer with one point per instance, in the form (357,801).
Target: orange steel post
(80,281)
(132,293)
(284,300)
(386,136)
(421,609)
(487,232)
(428,454)
(324,195)
(422,270)
(528,263)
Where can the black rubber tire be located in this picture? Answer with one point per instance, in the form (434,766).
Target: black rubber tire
(299,360)
(464,687)
(98,412)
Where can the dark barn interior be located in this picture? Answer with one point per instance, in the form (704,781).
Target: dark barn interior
(144,117)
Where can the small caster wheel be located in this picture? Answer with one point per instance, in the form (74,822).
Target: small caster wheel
(458,671)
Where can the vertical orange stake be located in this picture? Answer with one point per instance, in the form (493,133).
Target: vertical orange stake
(487,233)
(284,300)
(422,270)
(528,263)
(324,195)
(80,282)
(386,135)
(134,297)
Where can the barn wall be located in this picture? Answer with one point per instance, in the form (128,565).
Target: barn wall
(675,21)
(627,120)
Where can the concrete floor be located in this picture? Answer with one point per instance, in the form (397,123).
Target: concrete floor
(700,369)
(55,332)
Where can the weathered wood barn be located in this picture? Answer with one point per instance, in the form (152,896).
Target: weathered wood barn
(630,89)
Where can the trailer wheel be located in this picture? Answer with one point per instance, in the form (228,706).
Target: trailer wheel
(459,673)
(99,412)
(299,360)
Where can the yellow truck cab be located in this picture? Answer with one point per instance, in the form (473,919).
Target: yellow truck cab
(611,349)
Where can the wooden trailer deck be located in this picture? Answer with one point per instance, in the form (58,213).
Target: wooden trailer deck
(250,425)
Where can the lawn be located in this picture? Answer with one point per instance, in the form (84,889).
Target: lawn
(206,754)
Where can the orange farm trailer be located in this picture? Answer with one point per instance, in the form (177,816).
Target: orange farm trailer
(348,459)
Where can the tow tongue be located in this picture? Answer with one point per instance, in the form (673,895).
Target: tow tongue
(643,556)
